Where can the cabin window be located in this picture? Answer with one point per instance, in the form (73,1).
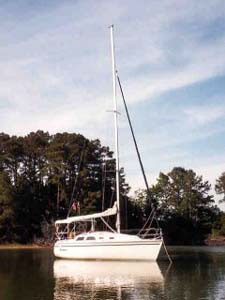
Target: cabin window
(111,238)
(90,238)
(101,237)
(80,238)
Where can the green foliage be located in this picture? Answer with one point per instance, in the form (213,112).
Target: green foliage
(182,191)
(220,186)
(184,206)
(138,209)
(40,172)
(219,226)
(7,214)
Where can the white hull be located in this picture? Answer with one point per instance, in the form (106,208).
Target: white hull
(122,247)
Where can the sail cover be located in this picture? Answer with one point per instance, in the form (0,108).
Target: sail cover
(109,212)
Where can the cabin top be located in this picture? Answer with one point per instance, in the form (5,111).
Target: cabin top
(104,235)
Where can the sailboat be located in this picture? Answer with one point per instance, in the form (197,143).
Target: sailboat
(90,244)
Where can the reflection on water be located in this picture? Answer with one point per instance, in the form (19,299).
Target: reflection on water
(105,280)
(26,274)
(197,273)
(200,272)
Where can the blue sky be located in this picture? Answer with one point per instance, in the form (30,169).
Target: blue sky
(55,74)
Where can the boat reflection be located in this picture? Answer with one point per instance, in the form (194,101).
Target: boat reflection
(105,280)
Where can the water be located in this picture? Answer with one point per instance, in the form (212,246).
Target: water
(33,274)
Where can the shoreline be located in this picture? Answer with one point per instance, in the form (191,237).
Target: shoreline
(209,243)
(20,246)
(215,241)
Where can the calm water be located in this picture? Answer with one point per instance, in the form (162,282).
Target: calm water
(196,273)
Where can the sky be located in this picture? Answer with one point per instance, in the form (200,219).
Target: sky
(55,75)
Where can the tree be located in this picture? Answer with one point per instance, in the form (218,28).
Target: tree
(137,209)
(4,138)
(74,159)
(7,215)
(219,225)
(39,176)
(11,156)
(183,192)
(220,187)
(184,205)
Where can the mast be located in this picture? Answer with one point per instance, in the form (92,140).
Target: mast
(116,126)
